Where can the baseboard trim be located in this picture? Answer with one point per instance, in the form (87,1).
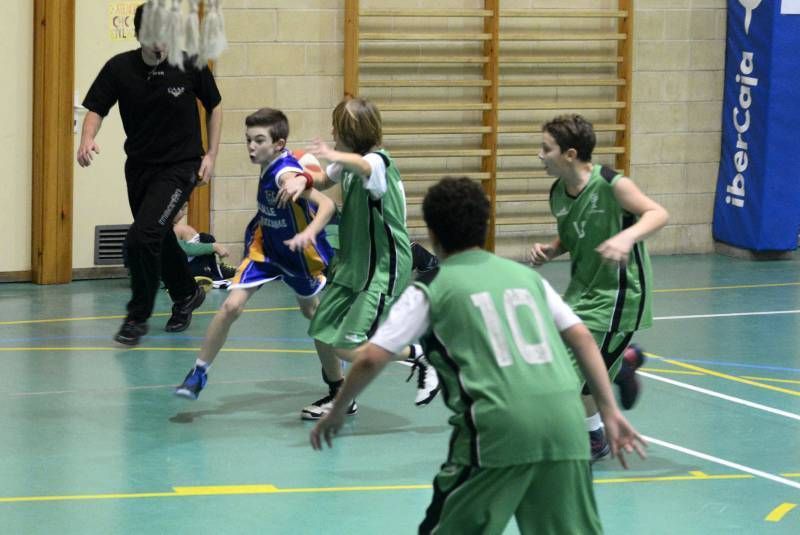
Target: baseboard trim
(737,252)
(16,276)
(105,272)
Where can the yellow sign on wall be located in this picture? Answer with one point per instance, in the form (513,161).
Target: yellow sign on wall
(120,19)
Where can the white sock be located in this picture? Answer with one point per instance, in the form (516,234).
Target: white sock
(202,363)
(594,422)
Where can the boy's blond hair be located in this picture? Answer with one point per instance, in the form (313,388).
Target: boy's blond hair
(357,122)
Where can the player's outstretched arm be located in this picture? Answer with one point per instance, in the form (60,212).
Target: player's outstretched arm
(621,435)
(349,160)
(325,210)
(370,361)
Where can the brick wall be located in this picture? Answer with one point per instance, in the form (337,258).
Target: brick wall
(289,54)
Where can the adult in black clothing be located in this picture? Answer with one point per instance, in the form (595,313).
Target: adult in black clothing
(165,160)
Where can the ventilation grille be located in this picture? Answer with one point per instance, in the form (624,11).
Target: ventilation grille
(109,242)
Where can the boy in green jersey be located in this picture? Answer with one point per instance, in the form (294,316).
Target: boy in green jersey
(518,446)
(373,263)
(602,219)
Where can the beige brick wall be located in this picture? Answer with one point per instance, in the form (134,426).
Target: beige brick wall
(679,56)
(286,54)
(289,54)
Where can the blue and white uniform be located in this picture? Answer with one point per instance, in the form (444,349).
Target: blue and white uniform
(266,256)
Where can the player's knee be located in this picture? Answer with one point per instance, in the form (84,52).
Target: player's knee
(232,309)
(308,309)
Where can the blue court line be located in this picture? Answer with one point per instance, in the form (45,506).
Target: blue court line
(735,364)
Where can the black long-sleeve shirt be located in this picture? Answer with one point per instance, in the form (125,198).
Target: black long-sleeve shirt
(157,106)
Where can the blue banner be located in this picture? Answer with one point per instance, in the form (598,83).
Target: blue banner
(757,203)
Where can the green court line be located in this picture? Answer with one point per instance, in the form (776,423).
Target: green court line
(777,514)
(227,490)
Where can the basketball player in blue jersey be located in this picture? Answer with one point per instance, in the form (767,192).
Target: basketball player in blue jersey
(281,242)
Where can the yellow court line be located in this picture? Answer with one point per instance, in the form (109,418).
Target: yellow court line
(733,378)
(223,350)
(726,376)
(122,316)
(225,490)
(279,309)
(771,380)
(777,514)
(671,372)
(691,477)
(731,287)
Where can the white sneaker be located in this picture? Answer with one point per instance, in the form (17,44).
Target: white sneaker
(427,380)
(323,406)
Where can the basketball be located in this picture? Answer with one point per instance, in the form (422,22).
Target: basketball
(308,161)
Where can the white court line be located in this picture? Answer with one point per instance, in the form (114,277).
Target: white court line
(726,397)
(731,314)
(723,462)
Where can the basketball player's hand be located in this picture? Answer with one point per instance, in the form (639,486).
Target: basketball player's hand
(301,240)
(206,169)
(321,150)
(616,249)
(622,437)
(327,428)
(85,152)
(541,253)
(290,190)
(221,250)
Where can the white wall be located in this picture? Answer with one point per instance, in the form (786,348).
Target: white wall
(16,93)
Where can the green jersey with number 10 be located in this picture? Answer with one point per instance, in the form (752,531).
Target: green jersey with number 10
(504,370)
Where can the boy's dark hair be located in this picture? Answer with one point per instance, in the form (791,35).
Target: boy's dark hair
(137,19)
(357,122)
(572,132)
(457,211)
(271,118)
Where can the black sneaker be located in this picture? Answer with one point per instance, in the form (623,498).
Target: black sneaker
(182,311)
(228,271)
(130,332)
(599,445)
(422,260)
(323,406)
(626,380)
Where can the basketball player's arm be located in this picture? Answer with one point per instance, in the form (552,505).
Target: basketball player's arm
(325,210)
(91,126)
(350,161)
(652,216)
(408,320)
(214,129)
(621,435)
(575,334)
(541,253)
